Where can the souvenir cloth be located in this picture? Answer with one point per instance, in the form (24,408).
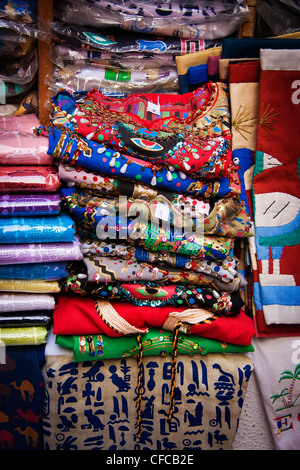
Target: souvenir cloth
(20,126)
(24,336)
(280,388)
(276,205)
(88,77)
(30,179)
(116,40)
(213,68)
(104,269)
(94,185)
(160,206)
(187,131)
(63,56)
(31,285)
(227,217)
(19,145)
(70,148)
(82,178)
(26,319)
(154,294)
(235,48)
(154,343)
(262,330)
(82,315)
(51,228)
(200,405)
(243,80)
(143,14)
(193,59)
(223,269)
(197,76)
(52,271)
(22,405)
(151,235)
(23,253)
(35,204)
(15,302)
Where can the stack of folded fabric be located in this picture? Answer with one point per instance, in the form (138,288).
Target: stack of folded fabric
(151,185)
(131,48)
(37,239)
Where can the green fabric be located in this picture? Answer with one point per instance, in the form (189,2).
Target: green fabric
(155,343)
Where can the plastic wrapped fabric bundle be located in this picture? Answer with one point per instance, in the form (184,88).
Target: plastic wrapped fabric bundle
(115,40)
(29,205)
(53,271)
(155,343)
(23,253)
(26,319)
(63,56)
(20,71)
(35,286)
(52,228)
(212,20)
(126,81)
(24,336)
(29,179)
(23,302)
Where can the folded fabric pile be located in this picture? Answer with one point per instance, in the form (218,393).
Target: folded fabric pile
(19,34)
(37,239)
(157,208)
(131,48)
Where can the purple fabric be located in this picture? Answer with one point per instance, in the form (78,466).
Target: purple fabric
(40,252)
(36,204)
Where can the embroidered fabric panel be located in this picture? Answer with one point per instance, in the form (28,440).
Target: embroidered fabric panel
(276,205)
(155,342)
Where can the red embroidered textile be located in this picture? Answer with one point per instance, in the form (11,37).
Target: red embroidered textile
(74,315)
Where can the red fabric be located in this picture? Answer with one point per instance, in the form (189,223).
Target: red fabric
(75,316)
(263,330)
(244,72)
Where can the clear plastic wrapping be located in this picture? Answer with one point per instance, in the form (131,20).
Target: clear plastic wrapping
(86,37)
(20,70)
(212,19)
(102,79)
(277,17)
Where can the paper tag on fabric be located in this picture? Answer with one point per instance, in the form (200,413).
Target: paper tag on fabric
(153,108)
(162,212)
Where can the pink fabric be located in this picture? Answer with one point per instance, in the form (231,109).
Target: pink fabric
(19,145)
